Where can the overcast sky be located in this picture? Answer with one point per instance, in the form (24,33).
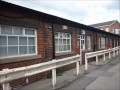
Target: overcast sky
(82,11)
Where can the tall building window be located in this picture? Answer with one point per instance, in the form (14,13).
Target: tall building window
(17,41)
(99,43)
(107,29)
(62,42)
(88,42)
(102,42)
(111,42)
(82,42)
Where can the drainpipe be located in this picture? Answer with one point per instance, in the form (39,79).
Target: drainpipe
(53,40)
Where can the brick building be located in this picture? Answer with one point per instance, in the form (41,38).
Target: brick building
(29,37)
(109,26)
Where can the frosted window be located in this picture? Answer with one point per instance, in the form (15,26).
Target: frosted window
(23,41)
(31,49)
(62,43)
(6,30)
(12,40)
(29,32)
(31,40)
(12,50)
(3,51)
(3,40)
(18,30)
(23,50)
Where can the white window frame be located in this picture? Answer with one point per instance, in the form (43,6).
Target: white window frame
(23,35)
(82,39)
(89,42)
(59,38)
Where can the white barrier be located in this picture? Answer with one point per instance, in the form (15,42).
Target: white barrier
(8,75)
(98,53)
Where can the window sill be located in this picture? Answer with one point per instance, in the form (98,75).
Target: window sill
(64,53)
(17,59)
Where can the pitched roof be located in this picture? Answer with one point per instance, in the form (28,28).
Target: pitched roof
(103,23)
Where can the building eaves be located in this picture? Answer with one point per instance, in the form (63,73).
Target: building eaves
(108,23)
(51,18)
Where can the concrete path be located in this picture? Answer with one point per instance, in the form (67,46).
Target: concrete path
(104,76)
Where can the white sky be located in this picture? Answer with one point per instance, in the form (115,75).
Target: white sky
(82,11)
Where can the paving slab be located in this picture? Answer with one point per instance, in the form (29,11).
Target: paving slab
(98,73)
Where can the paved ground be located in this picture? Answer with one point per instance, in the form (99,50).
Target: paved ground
(100,77)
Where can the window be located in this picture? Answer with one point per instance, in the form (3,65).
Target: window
(62,42)
(114,42)
(111,42)
(17,41)
(82,42)
(107,29)
(99,43)
(117,43)
(117,31)
(102,42)
(88,42)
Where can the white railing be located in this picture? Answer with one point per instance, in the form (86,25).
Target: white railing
(8,75)
(115,51)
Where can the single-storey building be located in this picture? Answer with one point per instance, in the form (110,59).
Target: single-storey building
(29,37)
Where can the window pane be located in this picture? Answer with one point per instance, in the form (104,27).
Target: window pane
(3,51)
(23,50)
(60,41)
(68,35)
(56,34)
(64,35)
(68,41)
(12,40)
(56,47)
(83,37)
(29,32)
(60,48)
(60,35)
(68,47)
(23,41)
(31,49)
(13,50)
(64,47)
(31,40)
(3,40)
(6,30)
(83,41)
(56,41)
(64,41)
(17,30)
(81,46)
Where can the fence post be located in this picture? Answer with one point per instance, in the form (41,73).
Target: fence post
(109,55)
(86,62)
(117,51)
(54,77)
(6,86)
(114,53)
(104,56)
(96,60)
(77,67)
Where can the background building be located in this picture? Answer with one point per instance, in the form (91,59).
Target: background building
(109,26)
